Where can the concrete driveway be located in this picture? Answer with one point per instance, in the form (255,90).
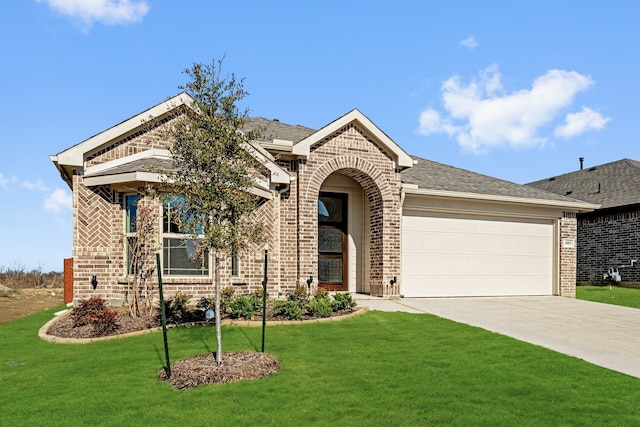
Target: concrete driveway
(602,334)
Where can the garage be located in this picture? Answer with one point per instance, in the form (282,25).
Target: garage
(447,254)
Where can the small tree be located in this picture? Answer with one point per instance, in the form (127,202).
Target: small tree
(212,169)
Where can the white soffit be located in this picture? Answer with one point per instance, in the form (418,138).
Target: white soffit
(278,175)
(403,160)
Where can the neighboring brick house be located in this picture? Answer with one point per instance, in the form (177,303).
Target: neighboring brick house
(609,236)
(345,208)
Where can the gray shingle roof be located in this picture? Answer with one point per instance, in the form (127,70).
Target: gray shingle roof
(426,174)
(273,129)
(153,165)
(431,175)
(610,185)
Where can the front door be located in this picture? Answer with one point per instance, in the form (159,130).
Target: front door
(332,241)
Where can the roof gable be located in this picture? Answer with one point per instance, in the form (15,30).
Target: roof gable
(610,185)
(74,156)
(401,158)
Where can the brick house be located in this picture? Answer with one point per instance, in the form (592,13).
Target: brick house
(609,236)
(346,208)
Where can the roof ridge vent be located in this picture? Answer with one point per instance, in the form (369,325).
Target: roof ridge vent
(553,178)
(593,168)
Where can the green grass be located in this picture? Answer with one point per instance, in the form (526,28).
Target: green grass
(375,369)
(627,297)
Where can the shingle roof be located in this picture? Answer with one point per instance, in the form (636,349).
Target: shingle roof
(611,185)
(431,175)
(273,129)
(426,174)
(154,165)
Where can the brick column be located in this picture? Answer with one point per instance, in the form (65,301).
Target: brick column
(568,255)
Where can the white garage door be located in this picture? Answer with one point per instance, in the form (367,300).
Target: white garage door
(444,255)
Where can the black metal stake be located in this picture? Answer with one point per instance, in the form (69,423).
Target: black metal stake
(264,297)
(163,316)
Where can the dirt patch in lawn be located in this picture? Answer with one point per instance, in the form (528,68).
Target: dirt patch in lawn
(17,303)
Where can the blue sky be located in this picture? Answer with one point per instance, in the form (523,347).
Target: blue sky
(515,90)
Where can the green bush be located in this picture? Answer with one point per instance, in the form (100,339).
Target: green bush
(81,313)
(243,306)
(205,303)
(226,296)
(320,307)
(176,308)
(209,303)
(322,293)
(287,309)
(179,302)
(342,301)
(299,296)
(258,295)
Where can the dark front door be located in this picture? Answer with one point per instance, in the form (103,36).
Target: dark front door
(332,241)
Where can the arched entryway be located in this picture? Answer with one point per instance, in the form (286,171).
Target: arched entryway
(362,204)
(342,225)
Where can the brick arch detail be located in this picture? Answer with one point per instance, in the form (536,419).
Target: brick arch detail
(383,242)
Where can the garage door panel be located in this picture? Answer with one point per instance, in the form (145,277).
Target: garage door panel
(473,286)
(472,265)
(466,256)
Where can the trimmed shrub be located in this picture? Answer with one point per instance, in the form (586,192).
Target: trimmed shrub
(258,294)
(299,296)
(226,296)
(320,307)
(243,306)
(81,313)
(94,312)
(179,302)
(104,322)
(288,309)
(322,293)
(205,303)
(176,307)
(342,301)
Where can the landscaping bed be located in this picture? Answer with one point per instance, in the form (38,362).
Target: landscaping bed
(63,326)
(92,319)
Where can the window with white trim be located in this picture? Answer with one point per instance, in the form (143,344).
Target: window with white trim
(131,216)
(180,255)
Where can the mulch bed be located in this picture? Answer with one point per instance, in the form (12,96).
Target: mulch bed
(63,327)
(235,366)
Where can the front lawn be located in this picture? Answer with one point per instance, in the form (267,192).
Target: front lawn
(375,369)
(627,297)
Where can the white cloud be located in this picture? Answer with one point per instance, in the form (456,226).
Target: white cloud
(38,185)
(111,12)
(469,42)
(480,115)
(58,201)
(5,182)
(577,123)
